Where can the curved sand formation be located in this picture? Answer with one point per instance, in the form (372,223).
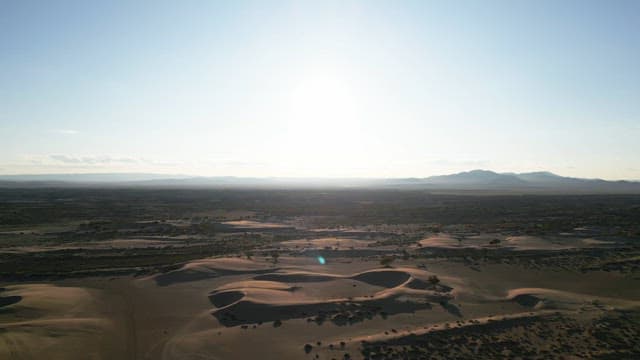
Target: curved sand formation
(323,243)
(211,268)
(541,298)
(56,323)
(225,298)
(289,303)
(8,300)
(271,297)
(383,278)
(250,224)
(297,277)
(518,243)
(408,335)
(440,240)
(527,242)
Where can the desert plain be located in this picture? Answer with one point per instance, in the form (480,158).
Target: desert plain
(317,274)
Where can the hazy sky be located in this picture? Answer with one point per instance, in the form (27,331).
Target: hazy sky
(344,88)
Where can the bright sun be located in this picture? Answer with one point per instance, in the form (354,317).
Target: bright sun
(323,122)
(322,103)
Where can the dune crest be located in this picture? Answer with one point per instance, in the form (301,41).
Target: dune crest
(284,295)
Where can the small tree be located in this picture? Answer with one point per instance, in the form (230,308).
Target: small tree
(494,242)
(386,261)
(275,257)
(433,280)
(248,254)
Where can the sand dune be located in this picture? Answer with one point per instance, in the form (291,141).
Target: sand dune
(440,240)
(211,268)
(249,224)
(354,302)
(541,298)
(356,298)
(297,277)
(385,278)
(330,242)
(54,319)
(521,242)
(378,277)
(407,336)
(273,297)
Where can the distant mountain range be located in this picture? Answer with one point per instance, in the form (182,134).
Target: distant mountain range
(475,180)
(543,180)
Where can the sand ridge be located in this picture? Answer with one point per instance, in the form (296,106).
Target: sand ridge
(210,268)
(282,295)
(327,243)
(364,306)
(54,319)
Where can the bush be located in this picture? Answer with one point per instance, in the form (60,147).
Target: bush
(386,261)
(433,280)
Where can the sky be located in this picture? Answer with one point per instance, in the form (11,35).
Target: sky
(320,88)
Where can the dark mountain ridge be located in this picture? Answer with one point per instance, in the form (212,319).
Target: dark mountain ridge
(481,180)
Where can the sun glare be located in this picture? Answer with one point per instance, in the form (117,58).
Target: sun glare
(323,102)
(323,118)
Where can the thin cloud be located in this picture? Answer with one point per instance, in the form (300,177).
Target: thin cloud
(92,160)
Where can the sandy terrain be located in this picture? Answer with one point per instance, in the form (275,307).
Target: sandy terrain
(48,321)
(322,243)
(347,308)
(521,242)
(226,274)
(249,224)
(371,304)
(212,308)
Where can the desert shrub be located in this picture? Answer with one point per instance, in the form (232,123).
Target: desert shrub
(386,261)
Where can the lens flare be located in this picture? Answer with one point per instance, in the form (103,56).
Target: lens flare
(321,260)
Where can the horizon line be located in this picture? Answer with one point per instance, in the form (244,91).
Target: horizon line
(174,176)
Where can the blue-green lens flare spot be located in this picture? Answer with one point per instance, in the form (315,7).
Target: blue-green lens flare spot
(321,260)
